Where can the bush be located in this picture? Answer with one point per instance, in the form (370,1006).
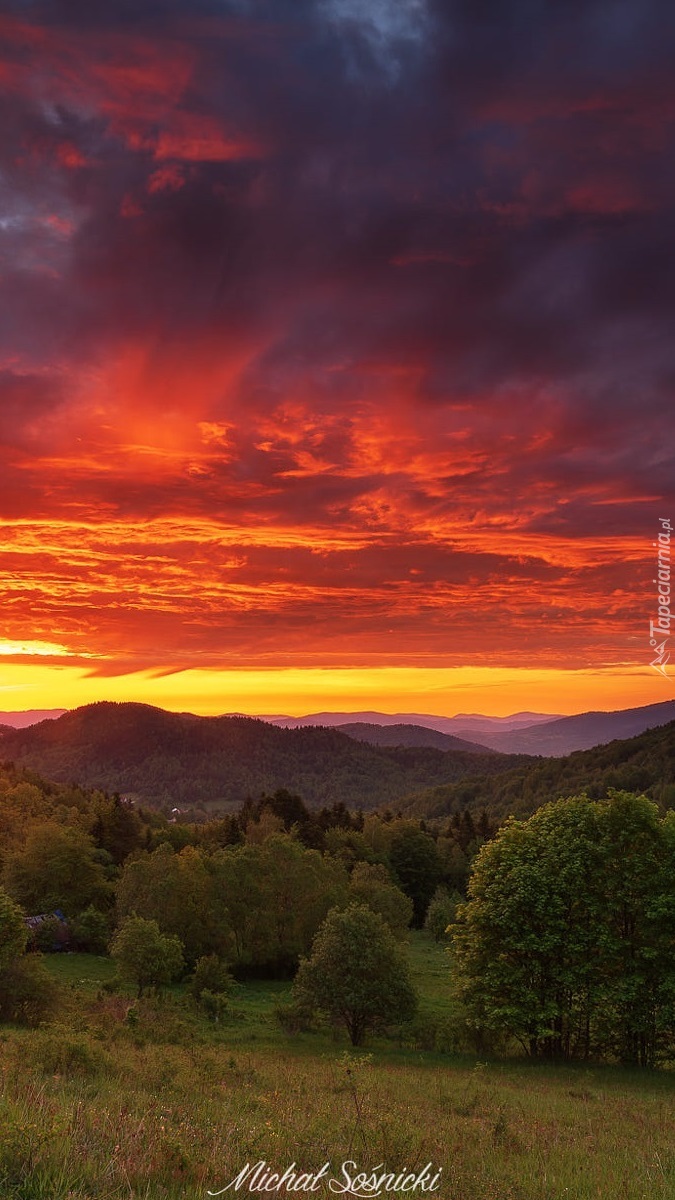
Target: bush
(28,993)
(213,1003)
(91,931)
(441,913)
(50,935)
(211,974)
(62,1052)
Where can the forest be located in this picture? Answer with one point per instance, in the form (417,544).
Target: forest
(559,927)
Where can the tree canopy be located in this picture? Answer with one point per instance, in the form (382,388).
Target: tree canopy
(146,956)
(568,937)
(357,974)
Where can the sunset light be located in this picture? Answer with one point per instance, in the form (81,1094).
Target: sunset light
(327,386)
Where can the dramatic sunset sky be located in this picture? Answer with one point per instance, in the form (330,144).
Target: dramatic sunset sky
(338,352)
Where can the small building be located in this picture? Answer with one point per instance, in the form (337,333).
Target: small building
(58,926)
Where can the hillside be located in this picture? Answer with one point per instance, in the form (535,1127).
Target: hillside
(581,732)
(408,735)
(645,763)
(462,725)
(31,716)
(170,759)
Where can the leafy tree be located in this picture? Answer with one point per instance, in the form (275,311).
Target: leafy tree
(116,827)
(211,985)
(176,891)
(13,931)
(210,974)
(371,884)
(441,913)
(275,895)
(91,931)
(262,827)
(27,990)
(566,942)
(348,845)
(357,973)
(417,865)
(56,868)
(637,988)
(525,940)
(146,956)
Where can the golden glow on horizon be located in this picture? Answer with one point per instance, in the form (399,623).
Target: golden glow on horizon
(297,692)
(32,649)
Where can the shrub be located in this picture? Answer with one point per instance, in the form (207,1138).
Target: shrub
(28,993)
(211,974)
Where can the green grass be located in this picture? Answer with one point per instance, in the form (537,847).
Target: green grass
(167,1105)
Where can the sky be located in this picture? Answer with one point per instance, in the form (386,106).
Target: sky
(337,353)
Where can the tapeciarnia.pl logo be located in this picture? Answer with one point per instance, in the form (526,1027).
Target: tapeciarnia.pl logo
(659,630)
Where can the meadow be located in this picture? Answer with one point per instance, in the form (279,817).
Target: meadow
(151,1101)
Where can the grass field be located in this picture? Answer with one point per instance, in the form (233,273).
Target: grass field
(162,1104)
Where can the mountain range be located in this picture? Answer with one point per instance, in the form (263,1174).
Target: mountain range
(180,760)
(31,716)
(212,764)
(522,733)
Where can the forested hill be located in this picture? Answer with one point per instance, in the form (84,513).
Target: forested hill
(171,759)
(407,735)
(643,764)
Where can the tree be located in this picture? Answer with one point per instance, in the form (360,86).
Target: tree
(275,896)
(27,990)
(13,931)
(56,868)
(356,974)
(177,891)
(416,863)
(146,956)
(210,986)
(117,827)
(441,913)
(566,942)
(371,884)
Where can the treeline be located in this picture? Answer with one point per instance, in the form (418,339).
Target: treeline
(211,764)
(565,943)
(644,764)
(251,888)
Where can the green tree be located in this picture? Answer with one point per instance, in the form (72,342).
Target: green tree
(116,827)
(637,988)
(56,868)
(275,895)
(441,913)
(144,955)
(357,974)
(566,942)
(211,985)
(27,990)
(371,884)
(91,931)
(13,931)
(177,891)
(417,866)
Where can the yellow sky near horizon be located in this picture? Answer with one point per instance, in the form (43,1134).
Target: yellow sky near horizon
(444,691)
